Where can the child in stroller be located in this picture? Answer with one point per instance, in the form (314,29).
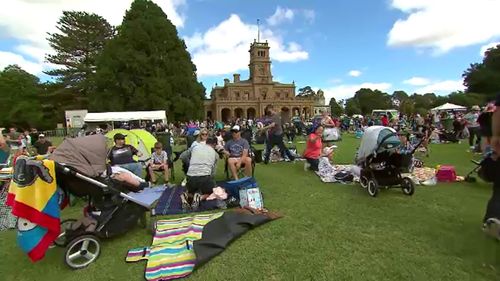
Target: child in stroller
(380,162)
(113,208)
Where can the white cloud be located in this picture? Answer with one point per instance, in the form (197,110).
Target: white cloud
(417,81)
(348,90)
(28,22)
(442,87)
(355,73)
(488,46)
(229,41)
(8,58)
(281,15)
(442,25)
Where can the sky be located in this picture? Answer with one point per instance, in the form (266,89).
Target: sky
(339,46)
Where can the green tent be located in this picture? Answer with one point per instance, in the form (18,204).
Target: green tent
(140,139)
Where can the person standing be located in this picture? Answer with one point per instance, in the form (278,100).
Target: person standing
(473,128)
(491,220)
(275,136)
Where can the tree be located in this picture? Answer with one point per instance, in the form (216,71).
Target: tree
(19,99)
(369,99)
(80,40)
(352,107)
(484,78)
(306,92)
(335,107)
(146,67)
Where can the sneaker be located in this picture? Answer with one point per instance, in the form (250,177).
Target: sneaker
(472,148)
(307,166)
(492,228)
(184,182)
(196,201)
(184,200)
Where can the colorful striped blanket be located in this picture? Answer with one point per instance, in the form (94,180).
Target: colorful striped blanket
(171,254)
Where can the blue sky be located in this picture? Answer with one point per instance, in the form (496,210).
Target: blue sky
(339,46)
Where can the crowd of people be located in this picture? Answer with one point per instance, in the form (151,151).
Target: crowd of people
(208,141)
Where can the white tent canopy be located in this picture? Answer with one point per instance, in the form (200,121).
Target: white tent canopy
(448,107)
(125,116)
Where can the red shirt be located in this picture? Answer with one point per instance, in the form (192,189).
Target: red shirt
(313,149)
(385,121)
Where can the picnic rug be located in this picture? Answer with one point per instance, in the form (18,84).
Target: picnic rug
(7,220)
(181,245)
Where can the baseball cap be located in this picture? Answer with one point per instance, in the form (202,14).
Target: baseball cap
(235,128)
(41,135)
(197,132)
(476,108)
(119,136)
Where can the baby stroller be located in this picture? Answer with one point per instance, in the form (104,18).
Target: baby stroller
(380,163)
(111,210)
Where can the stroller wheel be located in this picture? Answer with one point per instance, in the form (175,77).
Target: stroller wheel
(82,251)
(372,188)
(363,181)
(408,186)
(62,239)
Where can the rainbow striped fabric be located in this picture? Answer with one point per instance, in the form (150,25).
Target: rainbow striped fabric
(171,254)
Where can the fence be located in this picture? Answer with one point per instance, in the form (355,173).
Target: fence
(61,133)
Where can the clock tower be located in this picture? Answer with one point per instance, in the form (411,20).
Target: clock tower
(260,63)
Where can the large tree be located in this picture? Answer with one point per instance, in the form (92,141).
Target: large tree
(146,66)
(369,99)
(80,40)
(335,107)
(20,98)
(484,78)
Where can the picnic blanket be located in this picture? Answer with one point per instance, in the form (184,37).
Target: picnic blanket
(181,245)
(35,200)
(7,220)
(170,203)
(326,171)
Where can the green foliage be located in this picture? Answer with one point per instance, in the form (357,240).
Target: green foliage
(307,91)
(336,107)
(368,100)
(484,78)
(19,98)
(78,43)
(147,67)
(352,107)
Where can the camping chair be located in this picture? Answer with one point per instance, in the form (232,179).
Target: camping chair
(251,153)
(170,163)
(165,139)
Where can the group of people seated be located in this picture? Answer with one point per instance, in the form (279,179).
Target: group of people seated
(199,163)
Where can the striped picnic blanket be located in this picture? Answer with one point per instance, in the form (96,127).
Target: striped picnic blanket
(171,254)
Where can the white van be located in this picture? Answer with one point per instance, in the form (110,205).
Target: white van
(379,112)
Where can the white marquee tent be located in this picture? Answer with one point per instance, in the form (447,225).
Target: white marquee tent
(125,116)
(449,107)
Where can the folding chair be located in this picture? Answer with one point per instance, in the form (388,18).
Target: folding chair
(251,153)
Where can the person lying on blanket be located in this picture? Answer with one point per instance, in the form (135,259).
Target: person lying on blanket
(201,174)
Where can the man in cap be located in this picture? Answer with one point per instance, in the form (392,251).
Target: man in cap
(275,136)
(237,151)
(122,155)
(43,146)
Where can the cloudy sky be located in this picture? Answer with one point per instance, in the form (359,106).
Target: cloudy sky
(339,45)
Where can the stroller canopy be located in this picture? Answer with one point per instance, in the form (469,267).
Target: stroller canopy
(377,139)
(86,154)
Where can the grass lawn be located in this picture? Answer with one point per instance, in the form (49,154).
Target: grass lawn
(329,232)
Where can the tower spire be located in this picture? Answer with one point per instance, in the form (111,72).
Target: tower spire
(258,30)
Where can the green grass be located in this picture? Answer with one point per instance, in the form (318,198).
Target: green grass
(329,232)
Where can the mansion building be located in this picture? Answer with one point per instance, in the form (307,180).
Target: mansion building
(249,98)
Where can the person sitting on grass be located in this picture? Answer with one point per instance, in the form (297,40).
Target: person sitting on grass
(122,155)
(201,174)
(43,146)
(4,149)
(159,162)
(313,149)
(406,147)
(237,151)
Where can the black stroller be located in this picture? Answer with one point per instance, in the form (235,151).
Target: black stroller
(381,165)
(111,211)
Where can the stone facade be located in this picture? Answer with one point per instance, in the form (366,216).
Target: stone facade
(248,98)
